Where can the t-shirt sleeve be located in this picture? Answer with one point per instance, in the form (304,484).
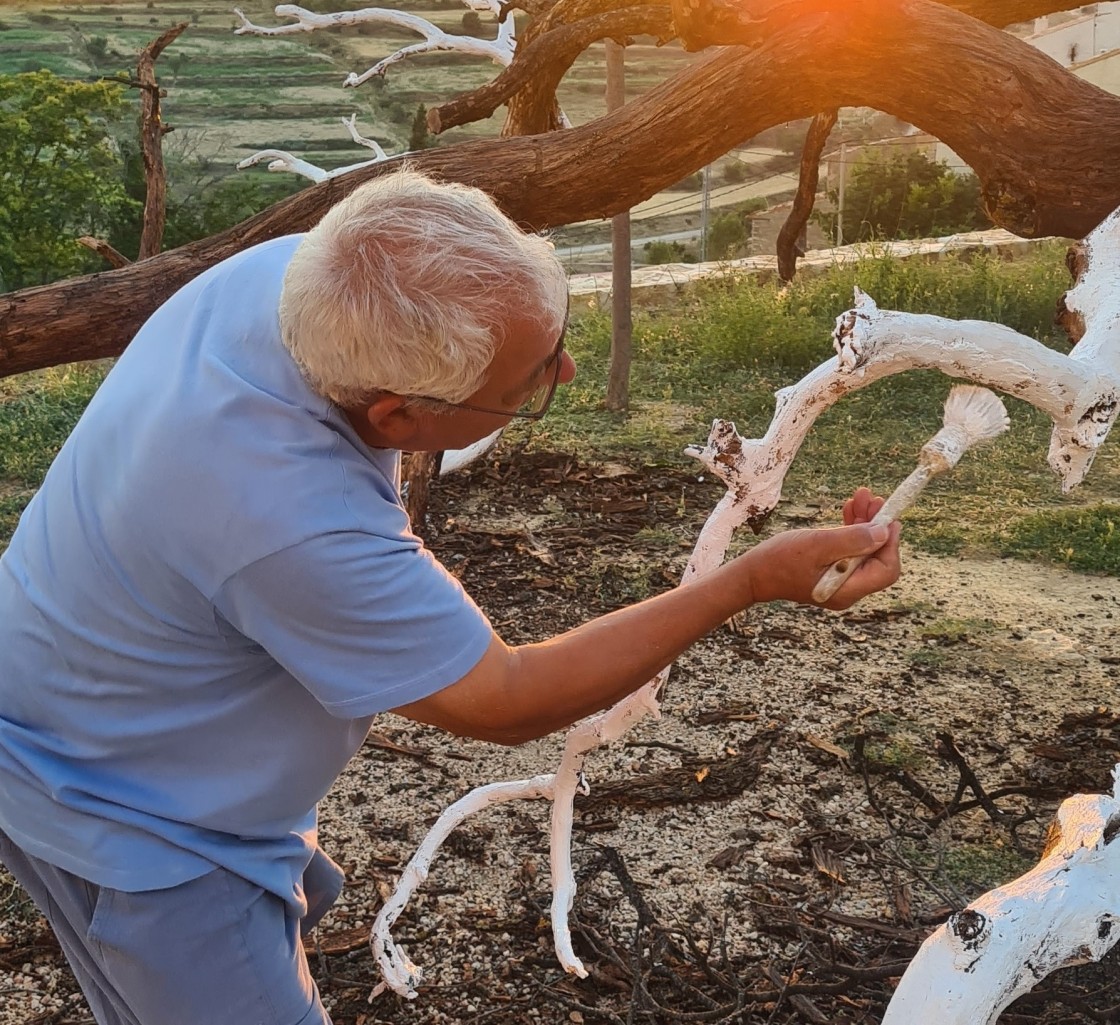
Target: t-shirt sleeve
(365,623)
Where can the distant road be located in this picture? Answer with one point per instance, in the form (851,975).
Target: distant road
(668,204)
(568,252)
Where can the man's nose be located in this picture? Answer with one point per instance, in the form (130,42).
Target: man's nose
(567,368)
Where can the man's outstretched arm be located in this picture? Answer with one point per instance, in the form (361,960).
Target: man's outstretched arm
(517,694)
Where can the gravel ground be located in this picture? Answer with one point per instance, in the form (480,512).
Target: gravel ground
(765,816)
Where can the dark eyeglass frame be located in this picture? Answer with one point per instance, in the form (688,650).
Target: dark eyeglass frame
(558,363)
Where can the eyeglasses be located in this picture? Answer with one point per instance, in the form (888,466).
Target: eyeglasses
(536,405)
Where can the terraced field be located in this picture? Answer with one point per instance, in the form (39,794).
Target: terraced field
(231,95)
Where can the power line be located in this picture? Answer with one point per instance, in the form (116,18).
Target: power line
(681,203)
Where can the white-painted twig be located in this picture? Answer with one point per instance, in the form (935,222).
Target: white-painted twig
(458,459)
(1064,911)
(279,160)
(499,50)
(351,125)
(397,971)
(1078,391)
(972,416)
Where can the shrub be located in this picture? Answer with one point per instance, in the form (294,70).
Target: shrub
(734,172)
(726,236)
(419,137)
(659,252)
(690,183)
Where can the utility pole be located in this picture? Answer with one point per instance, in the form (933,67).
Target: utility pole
(705,200)
(840,195)
(622,325)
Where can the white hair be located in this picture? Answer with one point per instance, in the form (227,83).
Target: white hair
(407,286)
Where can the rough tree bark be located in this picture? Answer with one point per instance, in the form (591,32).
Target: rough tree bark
(1045,144)
(152,131)
(787,245)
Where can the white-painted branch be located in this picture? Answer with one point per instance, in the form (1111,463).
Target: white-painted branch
(279,160)
(458,459)
(499,50)
(282,161)
(1080,393)
(1065,911)
(397,971)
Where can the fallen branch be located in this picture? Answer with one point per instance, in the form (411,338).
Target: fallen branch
(499,50)
(1063,912)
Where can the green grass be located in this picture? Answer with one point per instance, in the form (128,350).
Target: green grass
(37,412)
(721,351)
(955,631)
(977,867)
(1082,539)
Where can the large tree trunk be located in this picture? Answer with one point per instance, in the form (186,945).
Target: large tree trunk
(1045,144)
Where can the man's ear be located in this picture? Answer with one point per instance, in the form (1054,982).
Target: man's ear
(391,421)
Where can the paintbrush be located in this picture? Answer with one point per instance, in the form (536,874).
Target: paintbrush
(972,416)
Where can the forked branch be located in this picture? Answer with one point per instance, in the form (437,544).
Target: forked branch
(1078,391)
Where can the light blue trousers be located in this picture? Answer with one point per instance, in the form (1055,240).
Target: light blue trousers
(214,951)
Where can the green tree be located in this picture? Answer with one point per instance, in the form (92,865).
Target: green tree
(726,236)
(419,138)
(906,195)
(60,174)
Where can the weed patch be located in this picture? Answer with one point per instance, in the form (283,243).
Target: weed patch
(1083,539)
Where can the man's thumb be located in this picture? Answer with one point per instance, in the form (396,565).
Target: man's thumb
(866,538)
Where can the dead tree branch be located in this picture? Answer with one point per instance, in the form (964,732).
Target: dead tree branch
(544,62)
(152,131)
(815,138)
(113,257)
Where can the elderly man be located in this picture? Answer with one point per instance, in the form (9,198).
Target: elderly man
(216,588)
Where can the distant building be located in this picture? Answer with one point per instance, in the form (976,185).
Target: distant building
(1079,36)
(1102,70)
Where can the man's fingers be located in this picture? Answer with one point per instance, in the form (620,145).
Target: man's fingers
(879,570)
(862,506)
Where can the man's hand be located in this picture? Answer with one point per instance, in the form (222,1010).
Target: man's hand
(788,565)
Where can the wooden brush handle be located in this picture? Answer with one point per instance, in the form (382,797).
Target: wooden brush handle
(901,499)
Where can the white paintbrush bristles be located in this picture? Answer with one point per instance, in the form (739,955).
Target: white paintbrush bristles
(972,415)
(979,412)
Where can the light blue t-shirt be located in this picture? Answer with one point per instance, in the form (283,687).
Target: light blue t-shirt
(202,607)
